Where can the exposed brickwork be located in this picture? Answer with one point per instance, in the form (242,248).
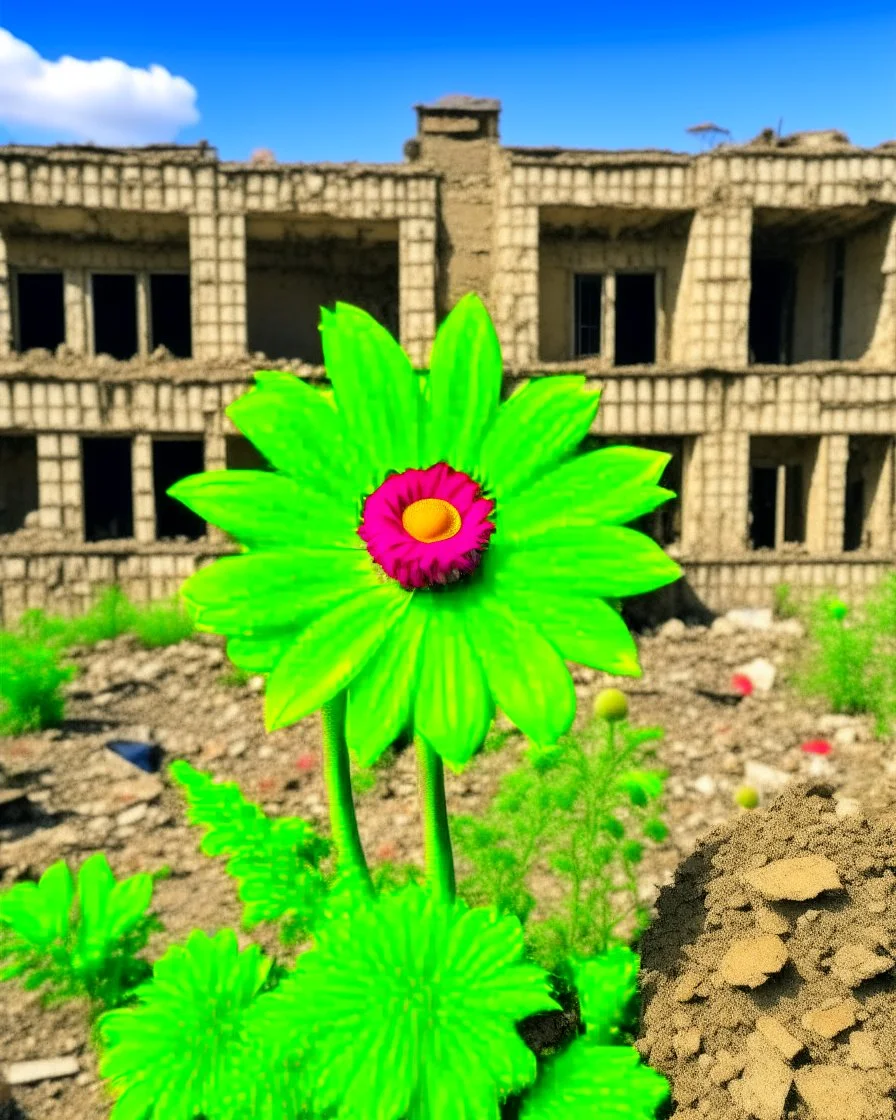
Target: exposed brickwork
(517,225)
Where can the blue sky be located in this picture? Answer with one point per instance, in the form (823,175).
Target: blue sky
(337,81)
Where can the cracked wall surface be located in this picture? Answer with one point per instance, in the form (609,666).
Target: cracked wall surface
(767,297)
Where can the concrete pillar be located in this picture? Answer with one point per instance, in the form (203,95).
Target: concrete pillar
(712,325)
(143,341)
(142,483)
(5,301)
(716,482)
(77,339)
(72,486)
(417,287)
(49,481)
(515,288)
(608,318)
(882,349)
(218,284)
(826,506)
(215,460)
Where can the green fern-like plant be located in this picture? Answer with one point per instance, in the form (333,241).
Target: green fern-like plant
(275,862)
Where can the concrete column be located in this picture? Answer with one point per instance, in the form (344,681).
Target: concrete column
(218,284)
(515,289)
(77,338)
(882,514)
(142,483)
(49,481)
(826,506)
(608,318)
(716,482)
(5,301)
(882,350)
(417,287)
(715,303)
(72,488)
(215,460)
(143,340)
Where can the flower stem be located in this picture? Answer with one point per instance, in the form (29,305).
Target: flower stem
(337,778)
(436,837)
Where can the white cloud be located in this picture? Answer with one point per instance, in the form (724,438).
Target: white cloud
(105,101)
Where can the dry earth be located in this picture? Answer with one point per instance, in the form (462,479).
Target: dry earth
(80,802)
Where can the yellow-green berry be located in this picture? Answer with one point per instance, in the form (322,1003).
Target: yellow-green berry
(611,704)
(746,796)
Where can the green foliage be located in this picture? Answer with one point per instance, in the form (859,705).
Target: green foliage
(32,677)
(785,605)
(577,811)
(851,657)
(165,624)
(275,862)
(89,953)
(110,616)
(235,677)
(187,1048)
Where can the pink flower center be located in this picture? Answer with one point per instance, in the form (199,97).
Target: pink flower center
(427,527)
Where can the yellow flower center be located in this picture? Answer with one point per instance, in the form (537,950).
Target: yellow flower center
(431,520)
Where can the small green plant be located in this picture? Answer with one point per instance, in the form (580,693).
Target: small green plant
(785,605)
(86,951)
(579,809)
(164,624)
(111,615)
(851,656)
(32,676)
(235,677)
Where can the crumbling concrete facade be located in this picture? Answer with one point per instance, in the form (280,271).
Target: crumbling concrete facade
(738,308)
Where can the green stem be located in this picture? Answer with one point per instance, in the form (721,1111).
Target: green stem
(436,837)
(337,779)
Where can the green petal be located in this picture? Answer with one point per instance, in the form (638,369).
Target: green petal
(380,696)
(259,655)
(464,385)
(535,427)
(376,389)
(526,674)
(587,631)
(239,595)
(453,708)
(301,433)
(330,653)
(575,483)
(265,510)
(523,519)
(601,562)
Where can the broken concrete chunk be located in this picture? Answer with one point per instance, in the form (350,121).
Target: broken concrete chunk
(854,964)
(862,1051)
(762,1091)
(794,879)
(727,1067)
(751,960)
(834,1092)
(686,987)
(779,1036)
(687,1043)
(830,1021)
(42,1069)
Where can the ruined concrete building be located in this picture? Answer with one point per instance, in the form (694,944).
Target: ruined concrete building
(738,308)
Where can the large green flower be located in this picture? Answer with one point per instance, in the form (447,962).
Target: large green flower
(422,545)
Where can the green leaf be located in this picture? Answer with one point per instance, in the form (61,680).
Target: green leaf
(300,432)
(181,1052)
(375,387)
(422,998)
(452,707)
(268,591)
(655,830)
(268,511)
(555,413)
(586,631)
(330,653)
(606,986)
(380,697)
(640,785)
(588,563)
(464,382)
(39,912)
(526,674)
(596,1083)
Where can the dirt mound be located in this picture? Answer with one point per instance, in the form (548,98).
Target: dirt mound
(769,988)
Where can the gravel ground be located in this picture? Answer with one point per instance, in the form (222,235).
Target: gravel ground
(80,802)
